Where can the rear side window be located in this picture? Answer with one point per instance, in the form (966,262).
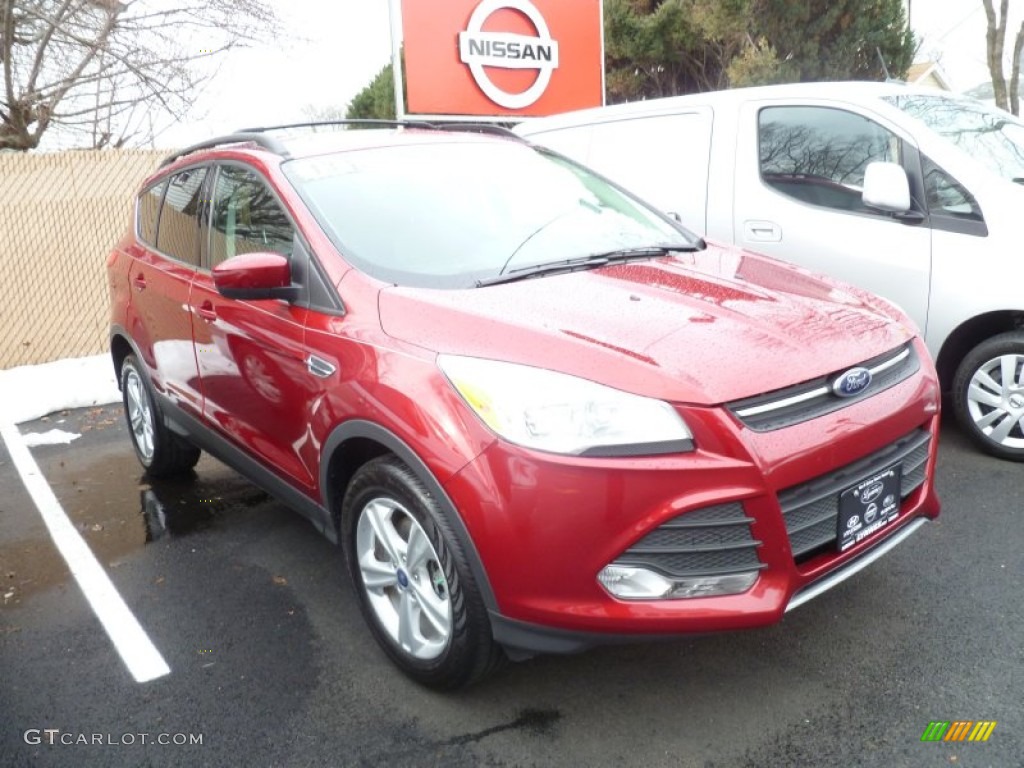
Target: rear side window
(178,232)
(148,210)
(818,155)
(246,217)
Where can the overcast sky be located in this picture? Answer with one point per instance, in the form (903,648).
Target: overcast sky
(334,47)
(330,50)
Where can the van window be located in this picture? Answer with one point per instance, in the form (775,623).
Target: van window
(178,234)
(818,155)
(663,158)
(989,135)
(945,195)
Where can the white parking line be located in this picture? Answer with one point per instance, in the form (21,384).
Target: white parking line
(129,638)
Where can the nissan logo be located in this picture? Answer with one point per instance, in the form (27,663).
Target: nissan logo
(479,49)
(852,382)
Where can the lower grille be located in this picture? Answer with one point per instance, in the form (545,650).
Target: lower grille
(811,509)
(706,542)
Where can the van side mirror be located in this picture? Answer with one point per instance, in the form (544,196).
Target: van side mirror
(886,187)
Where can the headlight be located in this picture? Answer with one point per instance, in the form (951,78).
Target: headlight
(559,413)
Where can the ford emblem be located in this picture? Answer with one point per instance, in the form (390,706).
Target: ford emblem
(852,382)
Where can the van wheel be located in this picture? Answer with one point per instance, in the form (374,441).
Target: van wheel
(160,451)
(413,583)
(988,395)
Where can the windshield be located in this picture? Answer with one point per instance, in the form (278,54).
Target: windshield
(989,135)
(446,215)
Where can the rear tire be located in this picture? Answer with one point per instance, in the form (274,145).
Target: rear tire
(988,395)
(161,452)
(414,585)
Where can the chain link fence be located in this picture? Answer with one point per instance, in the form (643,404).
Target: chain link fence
(60,216)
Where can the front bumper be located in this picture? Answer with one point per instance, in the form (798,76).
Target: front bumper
(545,525)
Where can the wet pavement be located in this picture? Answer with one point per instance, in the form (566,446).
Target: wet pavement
(271,664)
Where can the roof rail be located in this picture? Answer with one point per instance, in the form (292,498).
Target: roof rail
(354,121)
(259,135)
(489,128)
(240,137)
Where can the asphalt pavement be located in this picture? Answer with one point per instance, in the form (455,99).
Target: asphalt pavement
(271,664)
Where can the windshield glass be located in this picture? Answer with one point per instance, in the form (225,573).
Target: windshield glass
(448,214)
(989,135)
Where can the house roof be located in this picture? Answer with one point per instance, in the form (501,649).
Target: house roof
(928,73)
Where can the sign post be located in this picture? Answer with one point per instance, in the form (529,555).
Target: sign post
(395,17)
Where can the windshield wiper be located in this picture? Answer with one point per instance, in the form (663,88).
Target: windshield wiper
(591,261)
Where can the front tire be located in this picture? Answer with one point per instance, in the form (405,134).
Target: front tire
(161,452)
(988,395)
(414,586)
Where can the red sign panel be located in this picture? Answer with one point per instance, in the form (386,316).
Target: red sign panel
(502,57)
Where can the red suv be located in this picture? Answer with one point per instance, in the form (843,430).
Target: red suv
(536,413)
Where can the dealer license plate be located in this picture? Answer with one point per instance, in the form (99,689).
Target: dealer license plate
(871,504)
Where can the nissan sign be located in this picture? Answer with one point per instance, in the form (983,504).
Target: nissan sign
(502,57)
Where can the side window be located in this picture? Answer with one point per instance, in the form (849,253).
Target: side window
(945,195)
(246,217)
(147,210)
(178,233)
(818,154)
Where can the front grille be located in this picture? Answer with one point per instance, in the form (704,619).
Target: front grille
(811,509)
(811,399)
(706,542)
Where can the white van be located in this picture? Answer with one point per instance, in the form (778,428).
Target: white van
(911,193)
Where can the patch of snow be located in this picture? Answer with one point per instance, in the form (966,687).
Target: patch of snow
(53,437)
(30,391)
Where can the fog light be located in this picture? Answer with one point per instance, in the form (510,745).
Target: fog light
(632,583)
(624,581)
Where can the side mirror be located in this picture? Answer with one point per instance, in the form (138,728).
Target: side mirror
(886,187)
(254,276)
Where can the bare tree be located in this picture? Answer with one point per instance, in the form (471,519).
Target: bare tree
(995,39)
(107,72)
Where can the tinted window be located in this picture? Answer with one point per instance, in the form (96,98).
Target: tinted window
(178,235)
(818,155)
(148,210)
(946,196)
(246,217)
(448,214)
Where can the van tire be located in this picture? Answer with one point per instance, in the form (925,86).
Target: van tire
(988,408)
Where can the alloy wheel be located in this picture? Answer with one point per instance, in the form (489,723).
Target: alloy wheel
(403,579)
(140,414)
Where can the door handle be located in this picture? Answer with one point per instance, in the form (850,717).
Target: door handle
(206,311)
(319,367)
(139,281)
(762,231)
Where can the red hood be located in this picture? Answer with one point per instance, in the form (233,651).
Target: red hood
(702,328)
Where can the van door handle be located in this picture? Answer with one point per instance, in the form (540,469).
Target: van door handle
(139,281)
(762,231)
